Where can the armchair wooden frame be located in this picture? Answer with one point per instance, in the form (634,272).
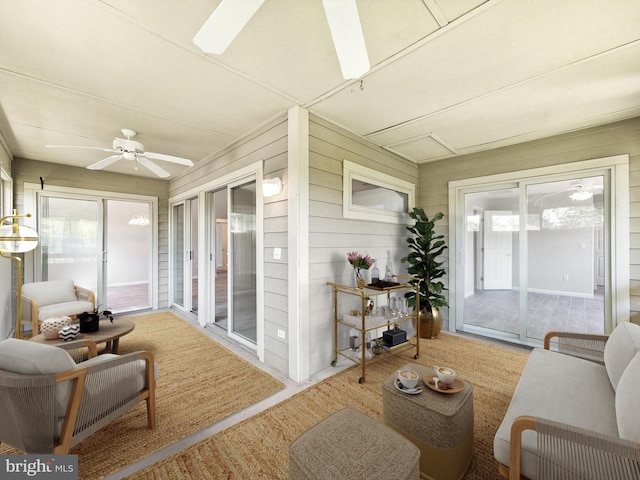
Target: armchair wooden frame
(81,293)
(83,416)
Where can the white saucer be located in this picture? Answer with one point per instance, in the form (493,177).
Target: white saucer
(409,391)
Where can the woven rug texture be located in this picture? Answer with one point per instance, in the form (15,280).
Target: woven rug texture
(198,384)
(257,448)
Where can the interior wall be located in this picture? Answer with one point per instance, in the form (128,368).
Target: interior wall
(598,142)
(30,171)
(331,236)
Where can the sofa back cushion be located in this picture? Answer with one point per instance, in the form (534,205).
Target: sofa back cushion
(627,401)
(620,349)
(47,293)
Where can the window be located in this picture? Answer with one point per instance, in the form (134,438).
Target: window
(371,195)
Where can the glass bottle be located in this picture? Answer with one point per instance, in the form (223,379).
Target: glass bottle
(388,269)
(375,274)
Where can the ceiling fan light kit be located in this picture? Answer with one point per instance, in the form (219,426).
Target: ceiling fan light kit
(128,149)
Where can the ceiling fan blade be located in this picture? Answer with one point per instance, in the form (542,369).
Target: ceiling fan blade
(225,24)
(168,158)
(105,162)
(78,146)
(348,39)
(153,167)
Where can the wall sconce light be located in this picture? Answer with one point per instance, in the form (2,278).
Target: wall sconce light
(15,238)
(271,187)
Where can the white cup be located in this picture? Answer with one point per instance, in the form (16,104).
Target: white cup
(445,374)
(408,378)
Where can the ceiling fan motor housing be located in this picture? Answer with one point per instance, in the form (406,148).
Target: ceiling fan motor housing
(128,146)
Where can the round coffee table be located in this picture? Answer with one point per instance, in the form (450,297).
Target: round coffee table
(108,333)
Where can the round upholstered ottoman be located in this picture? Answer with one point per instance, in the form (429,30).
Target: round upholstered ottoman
(351,445)
(440,424)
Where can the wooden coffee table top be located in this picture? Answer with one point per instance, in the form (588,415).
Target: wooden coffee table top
(108,332)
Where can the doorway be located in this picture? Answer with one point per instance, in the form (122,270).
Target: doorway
(539,253)
(102,244)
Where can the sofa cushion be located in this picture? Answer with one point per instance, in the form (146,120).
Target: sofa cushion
(622,346)
(550,387)
(31,358)
(627,401)
(53,291)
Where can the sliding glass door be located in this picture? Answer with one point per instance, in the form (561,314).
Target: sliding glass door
(185,254)
(534,257)
(101,244)
(243,253)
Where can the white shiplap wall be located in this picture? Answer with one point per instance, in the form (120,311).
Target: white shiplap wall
(331,236)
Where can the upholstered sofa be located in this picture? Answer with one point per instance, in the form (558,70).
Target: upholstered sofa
(575,411)
(42,300)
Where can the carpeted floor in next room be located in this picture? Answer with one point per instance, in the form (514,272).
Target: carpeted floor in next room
(257,448)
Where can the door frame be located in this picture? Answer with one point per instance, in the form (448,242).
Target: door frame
(205,242)
(615,168)
(32,192)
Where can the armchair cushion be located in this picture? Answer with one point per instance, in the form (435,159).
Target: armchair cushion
(53,291)
(31,358)
(66,309)
(622,346)
(627,397)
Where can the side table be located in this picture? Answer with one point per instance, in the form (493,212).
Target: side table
(439,424)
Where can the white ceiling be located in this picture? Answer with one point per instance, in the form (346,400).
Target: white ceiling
(448,77)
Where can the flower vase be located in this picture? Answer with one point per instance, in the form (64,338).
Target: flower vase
(359,279)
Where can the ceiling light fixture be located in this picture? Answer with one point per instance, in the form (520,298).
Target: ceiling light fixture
(224,24)
(580,195)
(346,31)
(139,220)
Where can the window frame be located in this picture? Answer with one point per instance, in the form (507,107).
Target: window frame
(353,171)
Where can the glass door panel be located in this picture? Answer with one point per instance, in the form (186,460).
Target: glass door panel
(127,252)
(219,256)
(193,253)
(565,257)
(242,231)
(70,240)
(178,251)
(491,266)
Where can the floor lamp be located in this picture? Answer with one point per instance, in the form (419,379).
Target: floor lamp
(15,238)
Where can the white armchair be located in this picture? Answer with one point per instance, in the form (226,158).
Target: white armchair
(42,300)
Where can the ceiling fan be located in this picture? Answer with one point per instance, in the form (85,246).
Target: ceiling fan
(128,149)
(231,16)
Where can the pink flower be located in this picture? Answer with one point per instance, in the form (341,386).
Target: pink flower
(359,261)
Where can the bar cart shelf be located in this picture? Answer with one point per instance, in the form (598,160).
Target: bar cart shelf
(373,324)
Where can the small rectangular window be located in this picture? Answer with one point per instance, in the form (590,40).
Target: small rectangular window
(372,195)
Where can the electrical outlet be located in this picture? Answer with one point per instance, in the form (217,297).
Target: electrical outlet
(565,278)
(281,333)
(277,254)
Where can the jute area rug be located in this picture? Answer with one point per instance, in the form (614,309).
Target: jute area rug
(200,382)
(258,447)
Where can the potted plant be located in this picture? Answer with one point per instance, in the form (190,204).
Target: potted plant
(426,246)
(90,321)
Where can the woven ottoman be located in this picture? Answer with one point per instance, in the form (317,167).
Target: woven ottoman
(439,424)
(351,445)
